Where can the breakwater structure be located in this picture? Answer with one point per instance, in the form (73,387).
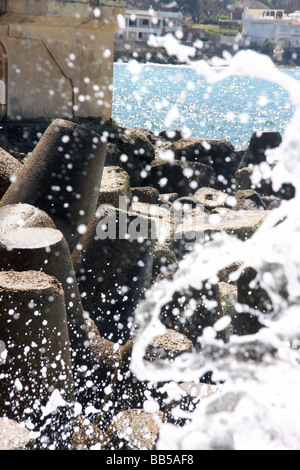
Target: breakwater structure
(94,219)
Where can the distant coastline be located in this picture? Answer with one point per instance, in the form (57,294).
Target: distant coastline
(144,54)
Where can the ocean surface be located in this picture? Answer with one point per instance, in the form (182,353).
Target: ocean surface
(159,97)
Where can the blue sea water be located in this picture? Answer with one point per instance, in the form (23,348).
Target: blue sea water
(159,97)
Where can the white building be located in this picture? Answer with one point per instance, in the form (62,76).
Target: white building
(140,24)
(274,25)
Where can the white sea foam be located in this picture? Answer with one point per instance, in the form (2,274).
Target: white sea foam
(259,406)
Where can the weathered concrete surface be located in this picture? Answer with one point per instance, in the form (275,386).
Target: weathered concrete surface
(13,436)
(35,334)
(113,269)
(62,176)
(9,167)
(243,224)
(163,220)
(62,48)
(14,216)
(134,430)
(115,188)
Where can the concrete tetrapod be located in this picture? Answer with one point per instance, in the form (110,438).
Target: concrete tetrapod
(14,216)
(62,176)
(45,249)
(113,264)
(35,357)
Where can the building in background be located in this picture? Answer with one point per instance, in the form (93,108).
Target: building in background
(140,24)
(237,8)
(272,25)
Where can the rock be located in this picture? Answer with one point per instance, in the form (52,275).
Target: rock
(168,346)
(162,228)
(134,430)
(34,332)
(227,299)
(168,199)
(132,150)
(146,194)
(187,396)
(126,391)
(112,155)
(62,177)
(181,177)
(248,199)
(264,187)
(230,274)
(115,188)
(87,436)
(185,203)
(211,198)
(9,168)
(113,269)
(172,135)
(164,261)
(106,358)
(13,436)
(219,154)
(255,299)
(259,143)
(200,228)
(271,202)
(191,310)
(243,177)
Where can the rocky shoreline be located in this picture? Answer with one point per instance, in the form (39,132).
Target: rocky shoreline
(62,184)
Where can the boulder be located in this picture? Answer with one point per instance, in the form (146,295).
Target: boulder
(168,346)
(259,143)
(9,168)
(106,358)
(229,274)
(115,188)
(172,135)
(87,436)
(126,390)
(254,300)
(242,224)
(264,186)
(168,198)
(13,436)
(271,202)
(248,199)
(134,430)
(184,203)
(161,219)
(219,154)
(132,150)
(211,198)
(243,178)
(181,177)
(227,299)
(164,261)
(146,195)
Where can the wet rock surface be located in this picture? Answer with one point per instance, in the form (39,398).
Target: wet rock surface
(103,261)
